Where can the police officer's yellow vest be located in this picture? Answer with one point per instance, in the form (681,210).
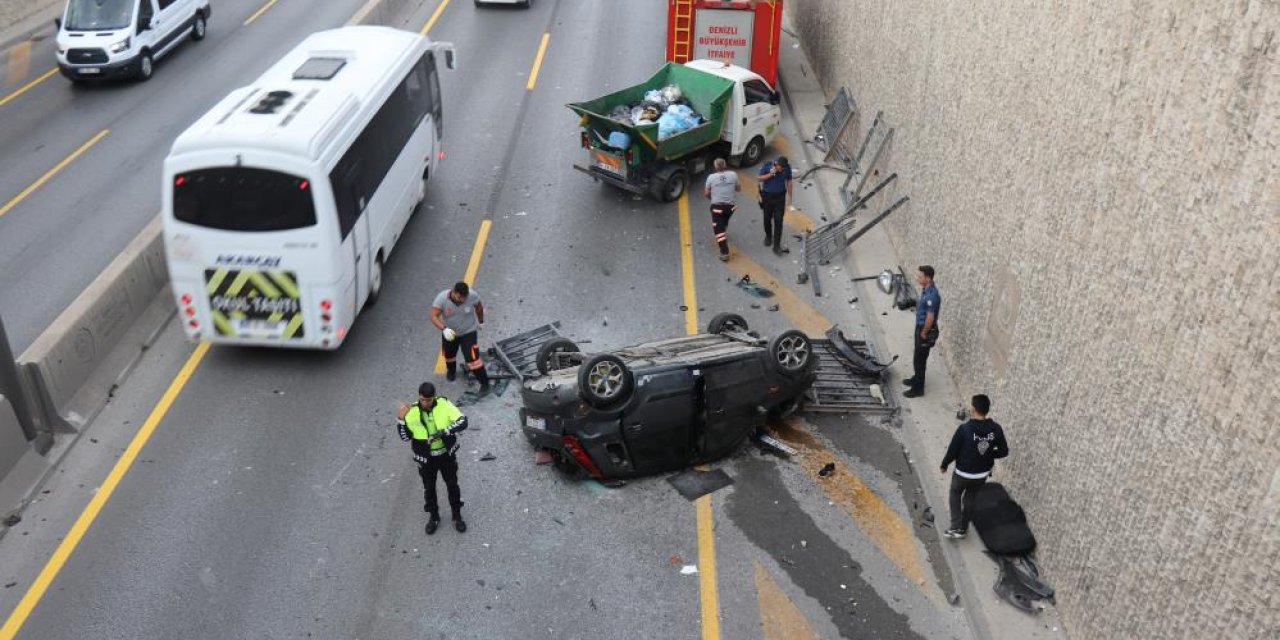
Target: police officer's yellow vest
(438,420)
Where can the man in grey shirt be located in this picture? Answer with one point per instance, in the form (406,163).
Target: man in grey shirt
(458,314)
(722,189)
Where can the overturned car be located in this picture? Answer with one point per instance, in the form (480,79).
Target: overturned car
(662,405)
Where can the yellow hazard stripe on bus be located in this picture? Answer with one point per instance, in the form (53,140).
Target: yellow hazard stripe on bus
(216,281)
(238,283)
(224,326)
(285,283)
(264,284)
(294,324)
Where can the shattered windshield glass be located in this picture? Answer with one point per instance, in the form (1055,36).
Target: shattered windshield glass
(99,15)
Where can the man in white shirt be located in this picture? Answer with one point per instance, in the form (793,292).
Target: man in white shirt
(722,189)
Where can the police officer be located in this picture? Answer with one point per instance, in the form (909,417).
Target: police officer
(775,193)
(432,427)
(458,314)
(926,329)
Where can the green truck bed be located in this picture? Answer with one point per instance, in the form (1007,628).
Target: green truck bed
(708,93)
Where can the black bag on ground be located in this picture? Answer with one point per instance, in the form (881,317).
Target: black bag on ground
(1000,522)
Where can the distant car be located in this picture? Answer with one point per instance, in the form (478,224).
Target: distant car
(523,3)
(664,405)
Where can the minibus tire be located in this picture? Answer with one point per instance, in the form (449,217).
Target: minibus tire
(376,276)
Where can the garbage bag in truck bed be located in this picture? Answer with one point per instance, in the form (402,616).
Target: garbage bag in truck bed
(707,93)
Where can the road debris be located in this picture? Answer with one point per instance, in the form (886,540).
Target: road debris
(12,520)
(487,457)
(688,569)
(754,289)
(827,469)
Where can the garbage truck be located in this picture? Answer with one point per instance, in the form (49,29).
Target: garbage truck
(654,136)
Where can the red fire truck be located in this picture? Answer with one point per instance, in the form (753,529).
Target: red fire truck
(741,32)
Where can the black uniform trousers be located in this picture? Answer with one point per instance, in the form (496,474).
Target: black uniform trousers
(447,466)
(774,206)
(720,214)
(920,355)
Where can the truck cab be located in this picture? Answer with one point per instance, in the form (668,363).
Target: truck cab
(754,115)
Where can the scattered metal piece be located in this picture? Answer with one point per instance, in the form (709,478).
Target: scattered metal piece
(774,443)
(827,469)
(487,457)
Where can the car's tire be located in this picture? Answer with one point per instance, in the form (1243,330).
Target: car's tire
(604,381)
(146,67)
(199,28)
(752,153)
(375,282)
(546,361)
(791,353)
(723,322)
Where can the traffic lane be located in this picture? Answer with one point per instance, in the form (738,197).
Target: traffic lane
(222,471)
(62,235)
(49,516)
(564,559)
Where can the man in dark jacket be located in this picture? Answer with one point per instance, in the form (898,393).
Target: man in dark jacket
(974,448)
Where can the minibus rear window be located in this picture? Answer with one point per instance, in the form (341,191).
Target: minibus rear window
(243,199)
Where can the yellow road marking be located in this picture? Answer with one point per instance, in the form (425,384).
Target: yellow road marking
(780,618)
(473,267)
(887,530)
(53,172)
(431,22)
(19,62)
(27,87)
(537,62)
(707,570)
(90,513)
(686,267)
(260,11)
(708,593)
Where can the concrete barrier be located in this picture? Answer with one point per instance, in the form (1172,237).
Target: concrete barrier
(391,13)
(74,365)
(20,464)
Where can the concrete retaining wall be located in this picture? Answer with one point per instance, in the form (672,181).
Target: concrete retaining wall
(1098,184)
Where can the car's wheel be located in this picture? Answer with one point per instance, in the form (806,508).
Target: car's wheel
(791,352)
(548,359)
(604,381)
(727,322)
(146,66)
(198,28)
(670,189)
(375,282)
(753,152)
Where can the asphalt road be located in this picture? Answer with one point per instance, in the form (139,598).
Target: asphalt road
(274,499)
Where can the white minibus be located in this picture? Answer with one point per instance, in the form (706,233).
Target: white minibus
(283,202)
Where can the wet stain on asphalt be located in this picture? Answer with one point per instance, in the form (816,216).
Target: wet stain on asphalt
(772,520)
(893,535)
(855,437)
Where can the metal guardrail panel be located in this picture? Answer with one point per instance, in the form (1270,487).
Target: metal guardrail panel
(837,117)
(840,390)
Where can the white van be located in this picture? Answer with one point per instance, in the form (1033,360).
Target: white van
(123,38)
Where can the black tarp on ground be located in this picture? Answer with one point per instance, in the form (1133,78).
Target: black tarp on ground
(1000,522)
